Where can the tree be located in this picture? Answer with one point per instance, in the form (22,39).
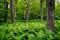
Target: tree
(41,9)
(12,10)
(28,12)
(25,9)
(6,10)
(50,14)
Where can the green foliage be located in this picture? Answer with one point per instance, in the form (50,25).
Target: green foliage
(34,9)
(57,15)
(30,31)
(2,8)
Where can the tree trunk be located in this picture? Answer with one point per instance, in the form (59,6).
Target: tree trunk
(41,10)
(25,10)
(6,10)
(12,10)
(28,12)
(50,14)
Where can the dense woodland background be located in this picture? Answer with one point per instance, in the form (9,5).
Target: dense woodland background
(29,19)
(21,7)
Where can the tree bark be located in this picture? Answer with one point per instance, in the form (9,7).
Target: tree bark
(6,10)
(28,12)
(25,10)
(41,10)
(50,14)
(12,10)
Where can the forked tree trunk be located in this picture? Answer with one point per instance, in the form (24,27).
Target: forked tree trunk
(41,10)
(12,10)
(50,14)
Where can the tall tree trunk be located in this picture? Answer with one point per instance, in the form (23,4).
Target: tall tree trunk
(28,12)
(12,10)
(50,14)
(41,10)
(6,10)
(25,10)
(34,11)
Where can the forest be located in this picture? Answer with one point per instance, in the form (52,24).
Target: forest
(29,19)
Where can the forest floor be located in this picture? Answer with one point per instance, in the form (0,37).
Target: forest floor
(20,28)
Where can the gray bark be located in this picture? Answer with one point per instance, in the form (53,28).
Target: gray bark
(12,10)
(6,10)
(50,14)
(25,9)
(41,10)
(28,12)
